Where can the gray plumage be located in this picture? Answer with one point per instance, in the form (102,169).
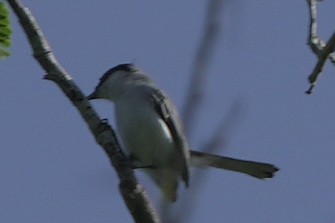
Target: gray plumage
(151,131)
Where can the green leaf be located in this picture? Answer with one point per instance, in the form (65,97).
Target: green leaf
(4,21)
(5,42)
(5,31)
(3,54)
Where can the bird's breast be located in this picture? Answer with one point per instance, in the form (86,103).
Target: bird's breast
(143,133)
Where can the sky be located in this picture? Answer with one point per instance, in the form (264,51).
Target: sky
(52,170)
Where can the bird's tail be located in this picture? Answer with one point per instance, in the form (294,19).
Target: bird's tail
(255,169)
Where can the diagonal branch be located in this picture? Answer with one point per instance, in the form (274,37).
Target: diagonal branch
(323,54)
(321,49)
(133,193)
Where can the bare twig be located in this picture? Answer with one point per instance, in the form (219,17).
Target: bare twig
(133,193)
(222,134)
(204,54)
(325,53)
(321,49)
(219,139)
(194,97)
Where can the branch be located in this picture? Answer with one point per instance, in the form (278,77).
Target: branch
(219,139)
(194,98)
(132,192)
(204,53)
(321,49)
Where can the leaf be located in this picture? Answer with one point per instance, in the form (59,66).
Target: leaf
(4,21)
(3,54)
(5,31)
(4,42)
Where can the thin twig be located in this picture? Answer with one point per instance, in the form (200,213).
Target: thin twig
(195,92)
(322,50)
(132,192)
(219,139)
(325,53)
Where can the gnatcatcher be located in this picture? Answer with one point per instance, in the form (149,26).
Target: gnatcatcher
(152,135)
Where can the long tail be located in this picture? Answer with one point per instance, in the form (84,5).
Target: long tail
(255,169)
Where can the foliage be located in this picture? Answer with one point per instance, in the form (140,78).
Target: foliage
(5,31)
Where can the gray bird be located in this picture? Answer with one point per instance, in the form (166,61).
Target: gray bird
(152,135)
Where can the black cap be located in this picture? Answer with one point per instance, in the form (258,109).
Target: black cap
(121,67)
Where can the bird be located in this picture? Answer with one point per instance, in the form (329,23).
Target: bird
(152,135)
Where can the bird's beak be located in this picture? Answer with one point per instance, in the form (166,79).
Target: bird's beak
(92,96)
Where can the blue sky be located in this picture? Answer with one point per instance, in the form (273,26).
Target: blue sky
(51,169)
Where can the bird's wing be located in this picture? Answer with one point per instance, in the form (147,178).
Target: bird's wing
(167,111)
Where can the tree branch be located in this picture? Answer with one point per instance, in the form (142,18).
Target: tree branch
(194,98)
(132,192)
(321,49)
(203,56)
